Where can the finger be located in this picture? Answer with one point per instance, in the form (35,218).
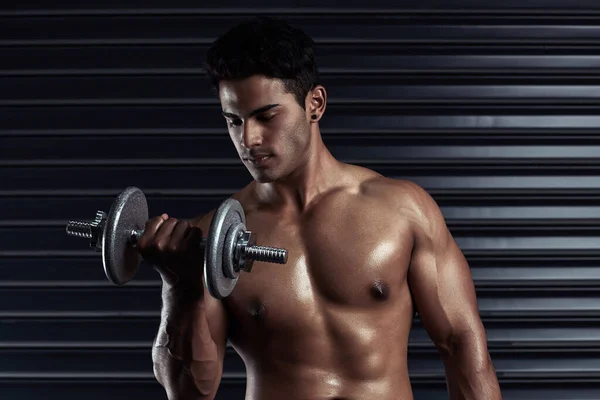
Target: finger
(163,235)
(150,229)
(178,235)
(193,243)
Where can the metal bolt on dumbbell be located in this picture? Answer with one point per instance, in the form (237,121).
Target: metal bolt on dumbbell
(228,249)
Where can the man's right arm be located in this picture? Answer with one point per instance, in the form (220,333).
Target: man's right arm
(189,348)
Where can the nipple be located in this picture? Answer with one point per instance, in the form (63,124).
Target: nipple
(380,290)
(258,310)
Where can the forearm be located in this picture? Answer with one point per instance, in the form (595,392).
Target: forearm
(185,357)
(470,373)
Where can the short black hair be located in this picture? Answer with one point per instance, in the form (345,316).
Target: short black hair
(266,46)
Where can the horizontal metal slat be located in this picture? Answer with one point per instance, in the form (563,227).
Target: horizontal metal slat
(419,107)
(16,211)
(524,196)
(518,236)
(493,273)
(126,333)
(98,389)
(110,301)
(393,87)
(562,44)
(526,333)
(529,243)
(233,177)
(445,197)
(146,387)
(203,28)
(460,165)
(79,333)
(91,361)
(347,117)
(221,152)
(370,158)
(84,207)
(182,149)
(507,362)
(332,59)
(139,362)
(523,224)
(68,272)
(520,315)
(98,90)
(146,302)
(516,44)
(445,136)
(420,362)
(566,106)
(427,6)
(467,206)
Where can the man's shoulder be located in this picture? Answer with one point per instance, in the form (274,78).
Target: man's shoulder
(406,200)
(403,193)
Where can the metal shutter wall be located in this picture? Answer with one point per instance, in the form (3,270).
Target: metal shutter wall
(492,107)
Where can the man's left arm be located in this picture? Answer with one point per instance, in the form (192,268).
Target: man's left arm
(444,295)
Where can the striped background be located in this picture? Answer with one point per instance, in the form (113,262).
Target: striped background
(492,108)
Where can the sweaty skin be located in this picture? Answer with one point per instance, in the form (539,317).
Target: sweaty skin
(364,253)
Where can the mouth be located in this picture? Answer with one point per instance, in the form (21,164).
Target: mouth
(260,159)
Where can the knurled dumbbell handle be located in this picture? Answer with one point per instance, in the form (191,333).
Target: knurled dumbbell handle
(137,233)
(254,253)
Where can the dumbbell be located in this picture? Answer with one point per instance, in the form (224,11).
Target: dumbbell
(228,248)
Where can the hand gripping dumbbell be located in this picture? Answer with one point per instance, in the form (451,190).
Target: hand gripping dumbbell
(228,248)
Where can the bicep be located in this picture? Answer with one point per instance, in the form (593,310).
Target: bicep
(216,316)
(441,283)
(215,311)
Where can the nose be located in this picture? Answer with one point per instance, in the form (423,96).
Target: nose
(251,136)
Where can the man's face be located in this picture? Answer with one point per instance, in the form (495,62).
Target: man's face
(269,129)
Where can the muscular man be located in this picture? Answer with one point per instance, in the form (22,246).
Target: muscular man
(364,253)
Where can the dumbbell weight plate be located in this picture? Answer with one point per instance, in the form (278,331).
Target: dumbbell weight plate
(220,276)
(128,212)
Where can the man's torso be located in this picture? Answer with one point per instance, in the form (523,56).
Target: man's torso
(334,321)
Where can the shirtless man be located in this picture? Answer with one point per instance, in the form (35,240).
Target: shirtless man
(364,253)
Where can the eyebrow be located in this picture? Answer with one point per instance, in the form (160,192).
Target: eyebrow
(252,113)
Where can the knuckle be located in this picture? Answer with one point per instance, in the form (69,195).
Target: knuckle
(152,222)
(161,246)
(145,241)
(173,247)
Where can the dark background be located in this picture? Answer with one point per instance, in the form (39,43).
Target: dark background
(491,106)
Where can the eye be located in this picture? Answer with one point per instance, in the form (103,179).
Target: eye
(234,122)
(265,118)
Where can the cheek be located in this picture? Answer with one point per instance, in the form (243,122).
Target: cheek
(294,133)
(299,137)
(235,140)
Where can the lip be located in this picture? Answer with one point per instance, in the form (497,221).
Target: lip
(260,160)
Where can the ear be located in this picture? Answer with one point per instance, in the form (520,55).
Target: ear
(316,102)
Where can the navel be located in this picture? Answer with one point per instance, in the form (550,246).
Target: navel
(380,290)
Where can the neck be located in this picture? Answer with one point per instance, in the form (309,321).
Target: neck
(317,174)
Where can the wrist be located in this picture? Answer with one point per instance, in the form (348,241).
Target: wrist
(182,294)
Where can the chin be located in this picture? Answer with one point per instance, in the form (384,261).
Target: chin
(264,176)
(268,175)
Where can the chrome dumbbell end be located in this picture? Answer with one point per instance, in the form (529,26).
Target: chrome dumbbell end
(91,230)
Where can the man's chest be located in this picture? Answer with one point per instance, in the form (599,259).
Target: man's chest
(353,258)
